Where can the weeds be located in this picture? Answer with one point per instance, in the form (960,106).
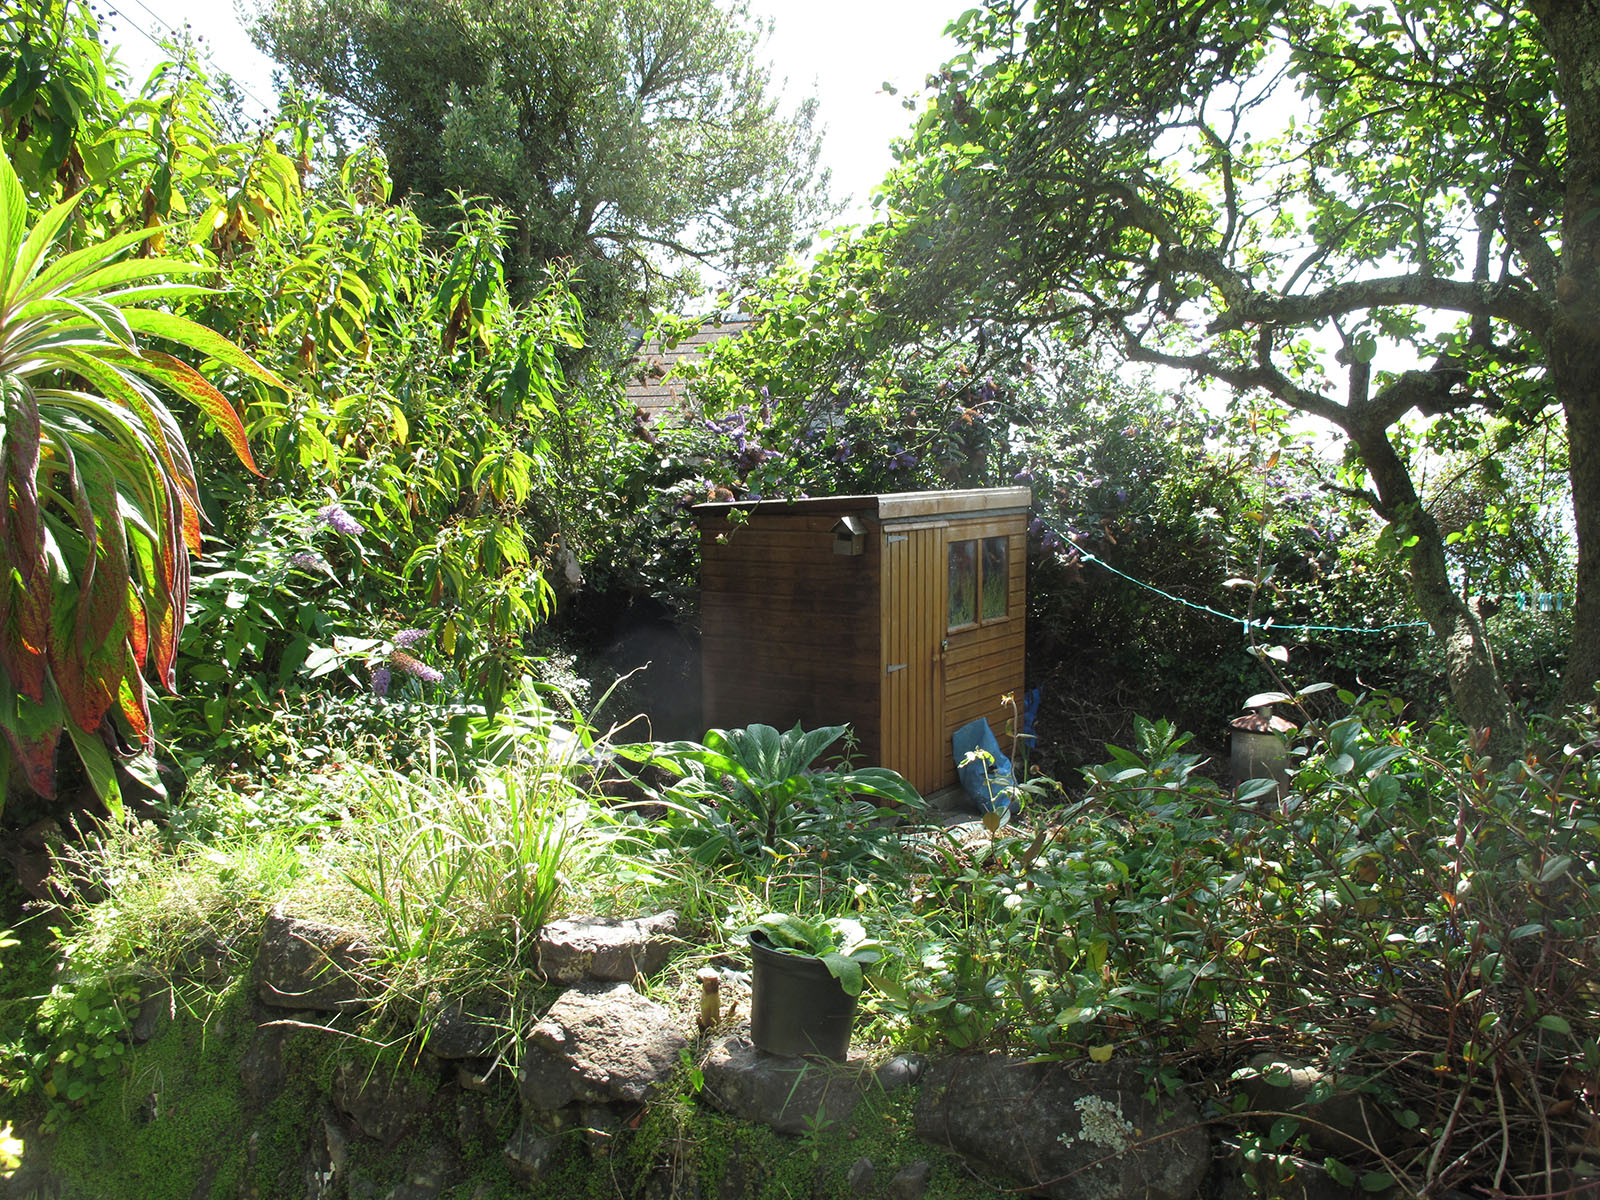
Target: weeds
(1419,927)
(1416,927)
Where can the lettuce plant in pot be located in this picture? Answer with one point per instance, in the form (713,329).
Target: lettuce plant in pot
(806,976)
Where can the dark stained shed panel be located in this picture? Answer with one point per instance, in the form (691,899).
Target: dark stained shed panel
(788,628)
(793,631)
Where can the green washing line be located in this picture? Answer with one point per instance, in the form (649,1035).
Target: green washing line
(1245,623)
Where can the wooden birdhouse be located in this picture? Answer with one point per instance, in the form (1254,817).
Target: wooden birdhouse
(901,615)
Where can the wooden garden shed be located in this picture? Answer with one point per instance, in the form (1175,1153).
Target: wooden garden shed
(900,614)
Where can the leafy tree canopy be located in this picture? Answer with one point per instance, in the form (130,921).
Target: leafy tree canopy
(638,139)
(1214,187)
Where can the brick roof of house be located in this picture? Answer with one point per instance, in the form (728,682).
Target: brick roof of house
(649,387)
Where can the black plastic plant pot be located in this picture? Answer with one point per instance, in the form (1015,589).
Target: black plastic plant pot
(797,1007)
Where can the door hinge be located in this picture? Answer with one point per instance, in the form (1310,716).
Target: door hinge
(892,538)
(896,667)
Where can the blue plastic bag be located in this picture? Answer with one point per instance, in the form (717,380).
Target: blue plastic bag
(987,776)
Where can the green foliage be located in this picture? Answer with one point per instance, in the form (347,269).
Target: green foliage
(1422,917)
(421,403)
(1500,493)
(103,507)
(54,94)
(1058,121)
(747,795)
(81,1035)
(841,943)
(179,1115)
(426,405)
(571,118)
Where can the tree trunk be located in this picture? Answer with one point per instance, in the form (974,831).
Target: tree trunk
(1475,688)
(1581,399)
(1572,33)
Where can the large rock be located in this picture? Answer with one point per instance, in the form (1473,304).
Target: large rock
(789,1094)
(322,1167)
(381,1103)
(598,1044)
(430,1169)
(1074,1134)
(1340,1120)
(457,1028)
(307,965)
(607,949)
(262,1069)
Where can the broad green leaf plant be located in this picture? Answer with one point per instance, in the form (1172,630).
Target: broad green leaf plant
(841,944)
(759,780)
(103,505)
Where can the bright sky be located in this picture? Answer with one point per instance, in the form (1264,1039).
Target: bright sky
(843,50)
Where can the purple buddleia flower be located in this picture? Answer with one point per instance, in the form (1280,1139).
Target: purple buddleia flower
(308,560)
(336,519)
(902,458)
(408,638)
(414,667)
(380,681)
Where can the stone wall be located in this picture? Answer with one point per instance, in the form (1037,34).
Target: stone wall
(598,1059)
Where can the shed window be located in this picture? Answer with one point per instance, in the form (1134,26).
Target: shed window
(996,579)
(963,584)
(980,581)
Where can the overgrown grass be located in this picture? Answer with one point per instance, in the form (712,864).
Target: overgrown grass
(1419,927)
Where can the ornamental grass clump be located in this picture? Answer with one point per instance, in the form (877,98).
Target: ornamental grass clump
(485,860)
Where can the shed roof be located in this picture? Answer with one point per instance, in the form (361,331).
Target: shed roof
(887,506)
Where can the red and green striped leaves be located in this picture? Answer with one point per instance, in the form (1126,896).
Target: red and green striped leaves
(102,505)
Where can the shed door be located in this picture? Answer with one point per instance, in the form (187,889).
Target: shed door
(913,632)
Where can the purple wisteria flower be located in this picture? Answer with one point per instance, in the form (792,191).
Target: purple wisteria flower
(337,519)
(408,638)
(380,681)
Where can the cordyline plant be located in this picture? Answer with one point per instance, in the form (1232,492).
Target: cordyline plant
(102,506)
